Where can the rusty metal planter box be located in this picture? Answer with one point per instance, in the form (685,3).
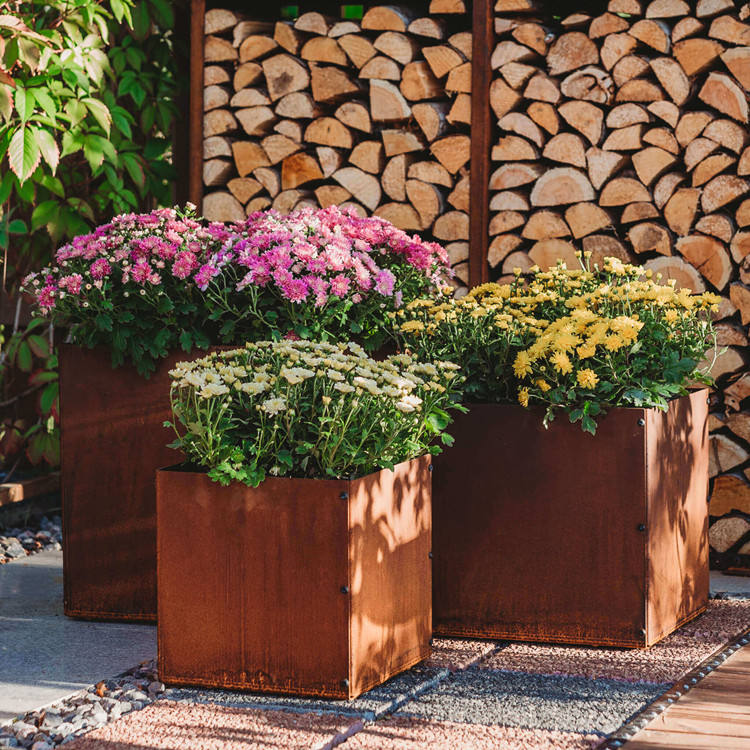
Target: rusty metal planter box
(556,535)
(299,586)
(112,442)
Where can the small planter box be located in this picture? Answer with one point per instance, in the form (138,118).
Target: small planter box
(112,442)
(300,586)
(557,535)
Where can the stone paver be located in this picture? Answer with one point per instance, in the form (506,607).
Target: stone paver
(45,655)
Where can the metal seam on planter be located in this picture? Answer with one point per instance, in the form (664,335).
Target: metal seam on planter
(686,683)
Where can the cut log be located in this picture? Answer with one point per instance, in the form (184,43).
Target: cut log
(680,210)
(667,9)
(506,221)
(358,48)
(290,128)
(329,159)
(586,218)
(430,171)
(575,20)
(299,169)
(368,156)
(460,111)
(216,49)
(653,34)
(447,6)
(710,167)
(697,55)
(698,150)
(740,246)
(501,247)
(331,195)
(663,138)
(624,139)
(214,96)
(218,122)
(269,179)
(381,68)
(541,88)
(508,51)
(457,252)
(639,90)
(717,225)
(728,29)
(571,51)
(546,253)
(724,454)
(514,148)
(739,294)
(517,74)
(217,171)
(722,190)
(737,61)
(397,46)
(452,151)
(729,134)
(358,209)
(330,84)
(217,20)
(650,237)
(709,256)
(244,188)
(603,246)
(503,98)
(690,126)
(607,24)
(545,225)
(463,42)
(459,79)
(426,199)
(544,115)
(515,122)
(664,110)
(400,142)
(651,163)
(222,206)
(686,27)
(287,37)
(215,75)
(313,23)
(387,18)
(728,334)
(216,146)
(452,226)
(518,261)
(432,28)
(278,147)
(288,200)
(729,493)
(601,165)
(708,8)
(248,156)
(393,178)
(665,187)
(532,35)
(364,187)
(742,214)
(256,47)
(401,215)
(244,29)
(509,200)
(514,175)
(284,74)
(387,104)
(256,120)
(672,78)
(249,98)
(621,191)
(625,115)
(615,47)
(638,211)
(328,131)
(460,196)
(675,268)
(584,117)
(431,118)
(721,92)
(355,115)
(441,59)
(743,167)
(566,148)
(561,186)
(628,68)
(588,84)
(323,49)
(418,82)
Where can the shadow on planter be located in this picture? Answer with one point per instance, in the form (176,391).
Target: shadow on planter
(557,535)
(299,586)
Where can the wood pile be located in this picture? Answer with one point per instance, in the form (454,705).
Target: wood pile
(625,133)
(373,114)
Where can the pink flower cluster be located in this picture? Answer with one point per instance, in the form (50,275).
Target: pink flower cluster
(316,255)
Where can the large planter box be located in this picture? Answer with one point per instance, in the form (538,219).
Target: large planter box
(300,586)
(557,535)
(112,442)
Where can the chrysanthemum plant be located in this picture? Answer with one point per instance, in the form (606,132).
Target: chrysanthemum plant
(578,341)
(145,284)
(308,409)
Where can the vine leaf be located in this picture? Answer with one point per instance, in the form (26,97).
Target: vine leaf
(23,153)
(48,147)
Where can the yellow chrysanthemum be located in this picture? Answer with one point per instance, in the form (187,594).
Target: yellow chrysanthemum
(587,378)
(543,385)
(586,350)
(412,326)
(522,364)
(523,397)
(561,362)
(614,341)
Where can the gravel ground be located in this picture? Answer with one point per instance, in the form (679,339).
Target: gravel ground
(16,543)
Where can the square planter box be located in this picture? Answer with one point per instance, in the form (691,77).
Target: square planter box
(300,586)
(557,535)
(112,442)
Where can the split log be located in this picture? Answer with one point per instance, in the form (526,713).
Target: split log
(451,226)
(459,79)
(460,196)
(256,47)
(328,131)
(717,225)
(544,115)
(330,84)
(400,142)
(401,215)
(586,218)
(515,122)
(653,34)
(430,171)
(729,493)
(615,47)
(216,49)
(393,178)
(218,122)
(216,146)
(509,200)
(214,75)
(331,195)
(432,28)
(602,165)
(517,74)
(216,171)
(323,49)
(287,200)
(501,247)
(284,74)
(625,115)
(463,42)
(721,92)
(709,256)
(447,6)
(728,334)
(431,118)
(665,187)
(708,8)
(299,169)
(278,147)
(571,51)
(697,55)
(222,206)
(742,214)
(287,37)
(545,225)
(517,261)
(690,126)
(397,46)
(217,20)
(514,148)
(621,191)
(503,98)
(368,156)
(628,68)
(737,61)
(667,9)
(329,159)
(290,128)
(426,199)
(638,211)
(672,78)
(542,88)
(686,27)
(297,105)
(683,273)
(269,178)
(566,148)
(680,210)
(460,111)
(603,246)
(256,120)
(729,134)
(639,90)
(651,163)
(244,29)
(244,188)
(546,253)
(418,82)
(364,187)
(249,98)
(515,174)
(663,138)
(722,190)
(457,252)
(728,29)
(588,84)
(698,150)
(624,139)
(214,96)
(740,246)
(664,110)
(607,24)
(452,151)
(650,237)
(387,18)
(561,186)
(358,48)
(710,167)
(724,454)
(506,221)
(387,104)
(248,156)
(355,115)
(739,294)
(532,35)
(508,51)
(441,59)
(584,117)
(381,68)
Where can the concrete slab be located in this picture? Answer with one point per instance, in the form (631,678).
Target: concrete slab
(735,587)
(44,655)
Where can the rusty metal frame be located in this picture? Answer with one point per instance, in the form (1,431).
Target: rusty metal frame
(195,103)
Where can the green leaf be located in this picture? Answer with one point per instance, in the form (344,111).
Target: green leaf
(24,359)
(23,154)
(43,214)
(186,341)
(45,101)
(17,226)
(6,102)
(48,147)
(24,103)
(100,111)
(48,398)
(76,111)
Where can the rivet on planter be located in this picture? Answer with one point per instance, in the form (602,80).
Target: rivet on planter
(641,527)
(344,495)
(429,554)
(344,589)
(641,422)
(429,468)
(344,683)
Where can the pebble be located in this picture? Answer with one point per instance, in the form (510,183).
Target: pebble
(62,722)
(19,542)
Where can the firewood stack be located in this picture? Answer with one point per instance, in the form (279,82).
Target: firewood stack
(372,114)
(626,134)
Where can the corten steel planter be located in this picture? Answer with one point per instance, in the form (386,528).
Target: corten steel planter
(299,586)
(557,535)
(112,442)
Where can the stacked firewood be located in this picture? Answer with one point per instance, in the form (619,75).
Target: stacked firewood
(372,114)
(626,134)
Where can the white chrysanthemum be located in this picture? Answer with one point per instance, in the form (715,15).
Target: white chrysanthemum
(334,375)
(213,389)
(294,375)
(344,387)
(409,404)
(253,388)
(274,405)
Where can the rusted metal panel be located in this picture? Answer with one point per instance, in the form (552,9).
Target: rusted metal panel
(542,535)
(112,442)
(677,461)
(291,587)
(195,102)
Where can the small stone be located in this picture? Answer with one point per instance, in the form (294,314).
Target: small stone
(136,695)
(125,707)
(63,730)
(52,720)
(14,549)
(24,731)
(41,745)
(156,687)
(6,741)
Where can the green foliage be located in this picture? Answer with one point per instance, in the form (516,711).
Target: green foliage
(306,409)
(87,102)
